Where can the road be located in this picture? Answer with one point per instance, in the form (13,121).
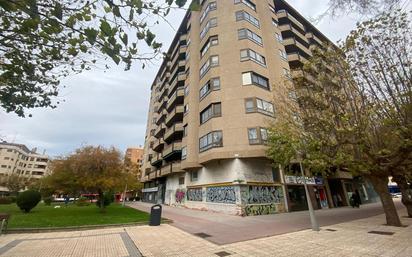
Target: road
(224,229)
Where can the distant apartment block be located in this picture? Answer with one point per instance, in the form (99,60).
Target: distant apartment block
(135,156)
(18,159)
(211,103)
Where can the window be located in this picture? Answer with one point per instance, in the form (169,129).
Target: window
(276,174)
(9,150)
(258,105)
(184,153)
(181,180)
(275,22)
(286,73)
(210,7)
(210,24)
(185,109)
(283,55)
(211,85)
(251,78)
(212,111)
(185,130)
(4,166)
(248,34)
(257,136)
(211,140)
(248,3)
(278,37)
(7,158)
(242,15)
(193,176)
(186,90)
(249,54)
(272,9)
(211,62)
(212,41)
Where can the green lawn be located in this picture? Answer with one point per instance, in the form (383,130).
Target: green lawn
(43,216)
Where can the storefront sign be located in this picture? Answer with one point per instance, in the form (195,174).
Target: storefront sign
(150,190)
(299,180)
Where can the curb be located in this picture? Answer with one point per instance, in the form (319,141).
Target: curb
(78,228)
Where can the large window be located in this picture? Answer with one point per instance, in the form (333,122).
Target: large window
(211,62)
(211,85)
(283,55)
(279,37)
(212,41)
(251,78)
(248,34)
(210,24)
(248,3)
(249,54)
(184,153)
(210,7)
(213,110)
(259,105)
(242,15)
(211,140)
(257,136)
(286,73)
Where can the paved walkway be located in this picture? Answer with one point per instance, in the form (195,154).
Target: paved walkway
(345,239)
(225,229)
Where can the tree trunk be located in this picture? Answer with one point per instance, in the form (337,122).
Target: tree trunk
(406,193)
(380,184)
(101,198)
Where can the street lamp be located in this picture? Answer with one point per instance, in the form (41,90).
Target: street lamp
(313,221)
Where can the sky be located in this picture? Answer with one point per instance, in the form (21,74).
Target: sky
(109,108)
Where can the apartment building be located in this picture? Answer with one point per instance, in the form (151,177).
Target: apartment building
(211,103)
(135,155)
(18,159)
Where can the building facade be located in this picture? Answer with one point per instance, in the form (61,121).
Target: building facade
(18,159)
(211,102)
(134,155)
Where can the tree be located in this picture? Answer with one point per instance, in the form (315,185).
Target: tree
(90,169)
(347,101)
(14,183)
(42,41)
(339,7)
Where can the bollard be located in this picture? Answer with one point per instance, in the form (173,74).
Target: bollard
(155,215)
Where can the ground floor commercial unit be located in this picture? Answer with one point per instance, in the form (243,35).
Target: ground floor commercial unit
(248,186)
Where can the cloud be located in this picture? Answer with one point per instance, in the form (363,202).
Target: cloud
(110,108)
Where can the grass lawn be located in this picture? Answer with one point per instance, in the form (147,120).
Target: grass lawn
(43,216)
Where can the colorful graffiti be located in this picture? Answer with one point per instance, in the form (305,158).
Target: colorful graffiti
(264,209)
(195,194)
(225,194)
(180,195)
(262,194)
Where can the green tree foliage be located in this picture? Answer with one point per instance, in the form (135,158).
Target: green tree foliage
(27,200)
(353,106)
(89,169)
(42,41)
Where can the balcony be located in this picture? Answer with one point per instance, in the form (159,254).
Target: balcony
(289,31)
(296,57)
(172,150)
(310,35)
(160,131)
(173,133)
(162,117)
(176,98)
(156,160)
(286,14)
(292,43)
(162,104)
(158,145)
(170,168)
(175,115)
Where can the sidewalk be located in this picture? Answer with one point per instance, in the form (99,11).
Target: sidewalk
(345,239)
(225,229)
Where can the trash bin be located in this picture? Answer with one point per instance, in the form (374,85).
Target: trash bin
(155,215)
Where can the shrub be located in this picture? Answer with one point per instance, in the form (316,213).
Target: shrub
(47,200)
(108,198)
(82,201)
(13,198)
(6,200)
(28,200)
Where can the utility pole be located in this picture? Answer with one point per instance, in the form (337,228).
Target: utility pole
(313,221)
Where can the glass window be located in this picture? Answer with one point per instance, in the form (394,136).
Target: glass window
(248,34)
(211,140)
(257,136)
(248,3)
(249,54)
(184,153)
(193,176)
(213,110)
(249,78)
(259,105)
(243,15)
(210,24)
(212,41)
(210,7)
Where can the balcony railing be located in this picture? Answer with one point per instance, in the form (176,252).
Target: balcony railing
(174,115)
(174,147)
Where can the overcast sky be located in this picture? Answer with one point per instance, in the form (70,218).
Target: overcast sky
(110,108)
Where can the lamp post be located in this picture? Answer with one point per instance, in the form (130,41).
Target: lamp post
(313,221)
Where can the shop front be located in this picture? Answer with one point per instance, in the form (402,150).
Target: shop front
(296,194)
